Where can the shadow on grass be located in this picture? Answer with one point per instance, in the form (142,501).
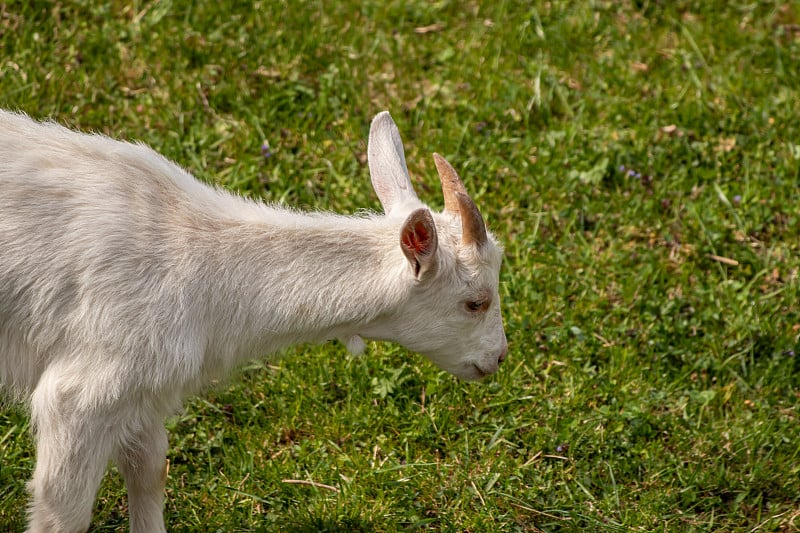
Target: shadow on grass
(295,525)
(329,525)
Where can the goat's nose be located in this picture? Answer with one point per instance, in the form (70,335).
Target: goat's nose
(503,353)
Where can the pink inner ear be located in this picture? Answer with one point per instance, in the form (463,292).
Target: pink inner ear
(417,239)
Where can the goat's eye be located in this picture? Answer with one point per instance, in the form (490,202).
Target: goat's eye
(476,306)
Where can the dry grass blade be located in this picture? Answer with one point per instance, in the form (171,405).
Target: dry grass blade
(311,484)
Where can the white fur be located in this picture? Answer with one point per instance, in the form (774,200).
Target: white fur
(126,284)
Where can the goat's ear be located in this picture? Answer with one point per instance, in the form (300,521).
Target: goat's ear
(419,242)
(387,163)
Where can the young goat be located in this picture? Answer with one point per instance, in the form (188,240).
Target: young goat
(125,285)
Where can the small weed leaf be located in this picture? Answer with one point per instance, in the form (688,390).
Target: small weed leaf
(391,381)
(593,176)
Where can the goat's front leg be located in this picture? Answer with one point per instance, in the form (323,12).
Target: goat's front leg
(73,444)
(142,462)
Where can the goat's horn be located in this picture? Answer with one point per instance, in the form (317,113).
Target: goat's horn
(457,201)
(451,184)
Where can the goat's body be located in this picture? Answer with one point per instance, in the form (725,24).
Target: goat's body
(96,233)
(125,284)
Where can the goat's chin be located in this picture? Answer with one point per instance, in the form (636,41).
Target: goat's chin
(472,372)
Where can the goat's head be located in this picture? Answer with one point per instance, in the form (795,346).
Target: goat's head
(451,307)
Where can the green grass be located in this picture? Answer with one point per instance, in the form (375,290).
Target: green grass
(649,386)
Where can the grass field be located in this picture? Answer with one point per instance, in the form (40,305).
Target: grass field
(641,163)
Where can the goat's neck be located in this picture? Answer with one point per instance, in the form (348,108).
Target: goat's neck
(309,281)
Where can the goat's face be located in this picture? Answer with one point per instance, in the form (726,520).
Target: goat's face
(452,315)
(451,312)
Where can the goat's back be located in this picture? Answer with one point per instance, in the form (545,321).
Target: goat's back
(91,230)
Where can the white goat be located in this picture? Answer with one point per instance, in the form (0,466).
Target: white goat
(125,285)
